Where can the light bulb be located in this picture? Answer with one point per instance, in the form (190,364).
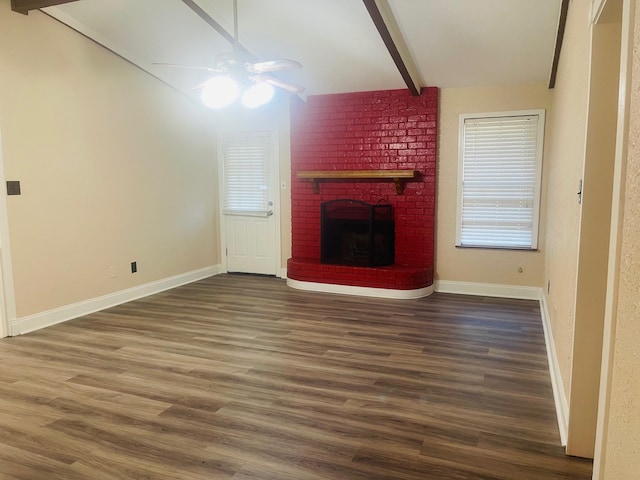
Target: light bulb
(218,92)
(257,95)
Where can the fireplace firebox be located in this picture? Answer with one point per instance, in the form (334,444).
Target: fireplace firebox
(356,233)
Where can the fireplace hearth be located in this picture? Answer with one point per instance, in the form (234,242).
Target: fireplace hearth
(356,233)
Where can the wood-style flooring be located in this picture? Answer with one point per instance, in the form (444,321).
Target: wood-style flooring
(240,377)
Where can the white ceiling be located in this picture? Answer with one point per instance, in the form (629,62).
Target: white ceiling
(454,43)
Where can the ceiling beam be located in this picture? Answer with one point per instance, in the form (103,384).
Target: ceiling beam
(23,6)
(215,25)
(562,22)
(385,22)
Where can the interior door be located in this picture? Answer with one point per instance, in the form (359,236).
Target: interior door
(249,212)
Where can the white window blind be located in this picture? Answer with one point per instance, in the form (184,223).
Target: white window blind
(246,173)
(500,164)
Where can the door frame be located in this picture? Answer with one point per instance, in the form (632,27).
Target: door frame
(7,293)
(275,179)
(615,239)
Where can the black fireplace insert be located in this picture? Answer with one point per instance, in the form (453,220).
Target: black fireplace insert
(356,233)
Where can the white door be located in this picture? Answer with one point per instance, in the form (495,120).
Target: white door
(249,213)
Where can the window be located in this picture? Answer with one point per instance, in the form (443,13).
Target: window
(247,157)
(499,179)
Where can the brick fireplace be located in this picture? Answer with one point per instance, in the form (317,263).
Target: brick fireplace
(378,131)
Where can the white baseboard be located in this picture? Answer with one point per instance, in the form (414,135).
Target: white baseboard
(62,314)
(562,407)
(283,273)
(360,291)
(487,289)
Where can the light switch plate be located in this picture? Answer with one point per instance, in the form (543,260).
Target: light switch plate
(13,187)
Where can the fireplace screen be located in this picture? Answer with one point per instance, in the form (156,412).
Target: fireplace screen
(356,233)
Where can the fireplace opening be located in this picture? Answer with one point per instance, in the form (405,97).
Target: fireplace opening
(356,233)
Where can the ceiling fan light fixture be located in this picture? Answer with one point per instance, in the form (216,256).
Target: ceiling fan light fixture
(258,94)
(239,73)
(219,92)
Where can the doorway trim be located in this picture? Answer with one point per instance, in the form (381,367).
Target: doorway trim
(615,240)
(7,293)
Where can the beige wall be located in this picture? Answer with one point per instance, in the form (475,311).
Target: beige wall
(480,265)
(564,167)
(115,167)
(622,436)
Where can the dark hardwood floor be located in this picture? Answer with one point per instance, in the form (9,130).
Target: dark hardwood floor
(240,377)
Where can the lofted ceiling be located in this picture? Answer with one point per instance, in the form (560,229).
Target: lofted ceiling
(452,43)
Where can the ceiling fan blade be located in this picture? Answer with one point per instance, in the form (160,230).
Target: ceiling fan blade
(196,67)
(276,82)
(272,65)
(200,85)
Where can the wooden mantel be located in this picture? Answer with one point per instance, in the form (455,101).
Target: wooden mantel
(398,176)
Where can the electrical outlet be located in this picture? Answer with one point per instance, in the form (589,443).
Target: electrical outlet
(134,267)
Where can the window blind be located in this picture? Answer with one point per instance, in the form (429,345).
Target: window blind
(246,173)
(500,176)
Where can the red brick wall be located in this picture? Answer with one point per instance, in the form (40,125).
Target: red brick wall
(367,131)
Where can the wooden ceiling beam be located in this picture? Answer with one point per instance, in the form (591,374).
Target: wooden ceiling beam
(23,6)
(215,25)
(385,22)
(562,22)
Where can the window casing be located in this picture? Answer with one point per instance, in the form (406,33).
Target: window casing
(499,175)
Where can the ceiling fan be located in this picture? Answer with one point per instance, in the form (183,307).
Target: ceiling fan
(239,70)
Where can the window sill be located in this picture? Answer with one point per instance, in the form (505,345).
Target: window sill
(486,247)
